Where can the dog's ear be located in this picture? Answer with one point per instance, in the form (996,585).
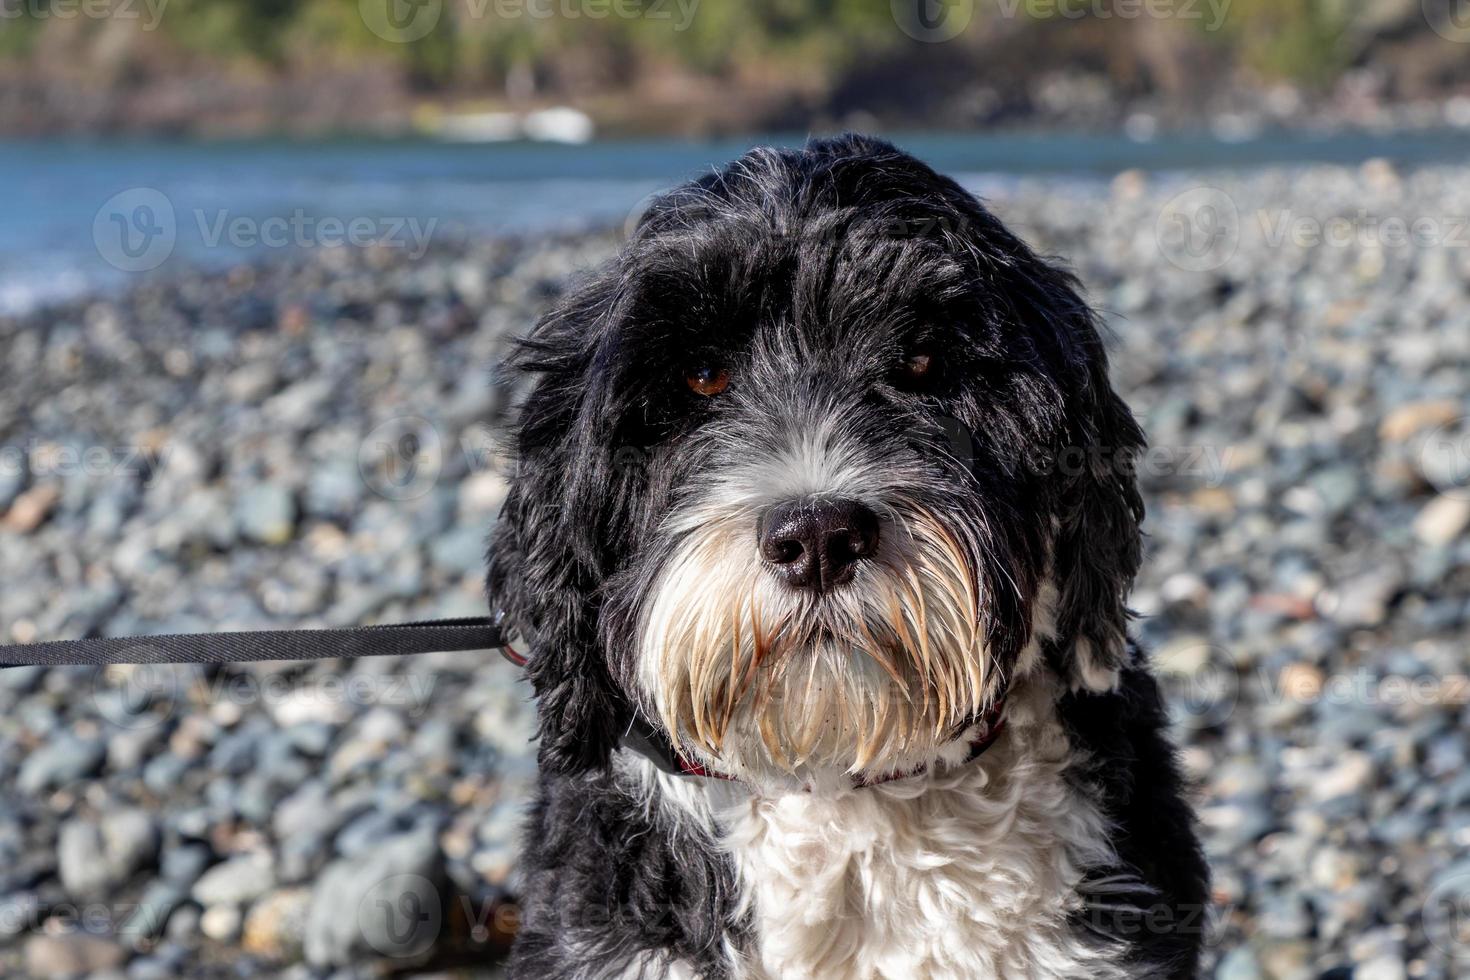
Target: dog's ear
(1098,546)
(1096,542)
(550,549)
(1088,438)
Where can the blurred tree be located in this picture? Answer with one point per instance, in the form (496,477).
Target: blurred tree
(823,56)
(1295,40)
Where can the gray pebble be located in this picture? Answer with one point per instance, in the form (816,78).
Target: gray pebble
(59,762)
(356,903)
(266,513)
(73,954)
(236,881)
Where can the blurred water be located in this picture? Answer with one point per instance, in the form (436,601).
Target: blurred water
(82,215)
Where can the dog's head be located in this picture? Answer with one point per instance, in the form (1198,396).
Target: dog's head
(811,470)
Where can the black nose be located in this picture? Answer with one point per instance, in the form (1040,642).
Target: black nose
(814,543)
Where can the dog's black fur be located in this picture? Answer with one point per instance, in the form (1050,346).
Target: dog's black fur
(845,235)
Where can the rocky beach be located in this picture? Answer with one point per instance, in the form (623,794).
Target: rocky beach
(314,441)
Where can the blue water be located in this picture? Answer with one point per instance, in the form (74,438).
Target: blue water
(81,215)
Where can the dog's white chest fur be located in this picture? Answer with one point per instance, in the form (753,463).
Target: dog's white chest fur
(970,873)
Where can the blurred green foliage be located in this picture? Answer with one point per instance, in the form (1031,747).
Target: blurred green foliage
(1299,40)
(475,43)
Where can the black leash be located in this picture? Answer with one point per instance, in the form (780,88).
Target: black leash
(387,640)
(434,636)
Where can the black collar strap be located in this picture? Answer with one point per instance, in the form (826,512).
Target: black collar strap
(653,746)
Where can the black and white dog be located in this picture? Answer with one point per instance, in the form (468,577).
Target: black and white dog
(821,534)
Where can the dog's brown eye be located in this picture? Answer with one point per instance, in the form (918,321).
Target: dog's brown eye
(916,366)
(708,381)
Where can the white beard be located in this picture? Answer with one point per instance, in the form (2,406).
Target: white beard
(964,872)
(755,680)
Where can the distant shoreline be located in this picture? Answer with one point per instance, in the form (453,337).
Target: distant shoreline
(411,194)
(1002,150)
(43,285)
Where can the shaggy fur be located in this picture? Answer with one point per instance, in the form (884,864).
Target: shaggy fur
(887,342)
